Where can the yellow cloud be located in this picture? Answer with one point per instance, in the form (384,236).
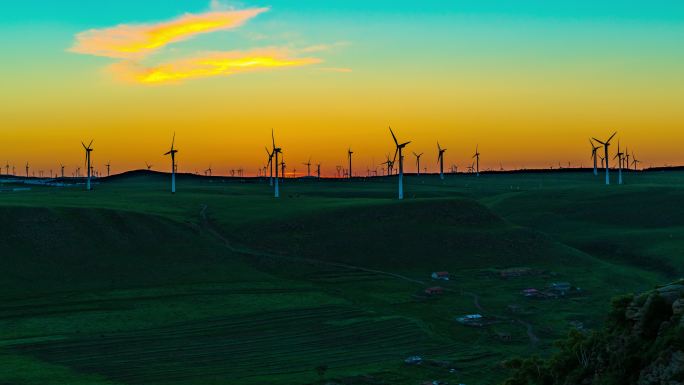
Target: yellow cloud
(134,41)
(207,65)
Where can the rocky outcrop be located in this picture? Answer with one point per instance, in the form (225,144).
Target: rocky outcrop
(641,344)
(667,370)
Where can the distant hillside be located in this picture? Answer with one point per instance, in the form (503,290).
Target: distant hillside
(430,234)
(641,344)
(45,249)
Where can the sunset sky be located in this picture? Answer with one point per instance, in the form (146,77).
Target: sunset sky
(529,81)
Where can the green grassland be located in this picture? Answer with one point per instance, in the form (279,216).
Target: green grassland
(222,284)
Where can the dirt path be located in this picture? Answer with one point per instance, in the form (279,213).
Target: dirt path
(206,225)
(476,301)
(530,329)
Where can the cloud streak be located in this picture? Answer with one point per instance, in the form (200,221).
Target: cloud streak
(208,65)
(129,41)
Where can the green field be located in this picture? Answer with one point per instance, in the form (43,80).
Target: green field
(222,284)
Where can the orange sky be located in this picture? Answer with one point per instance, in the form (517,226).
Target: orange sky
(526,92)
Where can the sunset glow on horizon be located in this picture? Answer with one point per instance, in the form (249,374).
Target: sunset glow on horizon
(529,82)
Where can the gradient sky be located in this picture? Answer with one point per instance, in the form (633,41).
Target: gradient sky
(530,81)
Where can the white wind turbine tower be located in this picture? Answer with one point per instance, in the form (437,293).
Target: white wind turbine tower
(418,161)
(606,144)
(88,149)
(172,152)
(276,151)
(270,163)
(619,156)
(440,159)
(399,150)
(594,156)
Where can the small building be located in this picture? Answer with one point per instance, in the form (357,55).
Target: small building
(534,293)
(561,287)
(441,275)
(471,320)
(413,360)
(503,336)
(434,290)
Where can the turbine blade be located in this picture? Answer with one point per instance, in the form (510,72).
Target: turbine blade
(393,137)
(603,143)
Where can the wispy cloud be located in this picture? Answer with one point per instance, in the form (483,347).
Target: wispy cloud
(324,47)
(138,40)
(134,43)
(209,64)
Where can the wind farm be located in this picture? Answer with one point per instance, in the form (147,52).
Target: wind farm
(354,193)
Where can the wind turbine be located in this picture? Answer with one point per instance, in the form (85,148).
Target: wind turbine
(606,144)
(7,168)
(149,166)
(635,161)
(387,163)
(171,152)
(208,171)
(283,167)
(349,154)
(627,159)
(594,155)
(269,164)
(62,167)
(308,167)
(109,165)
(477,159)
(27,169)
(418,161)
(619,158)
(399,150)
(88,149)
(274,153)
(440,159)
(318,170)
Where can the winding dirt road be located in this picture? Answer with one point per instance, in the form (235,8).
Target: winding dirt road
(211,229)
